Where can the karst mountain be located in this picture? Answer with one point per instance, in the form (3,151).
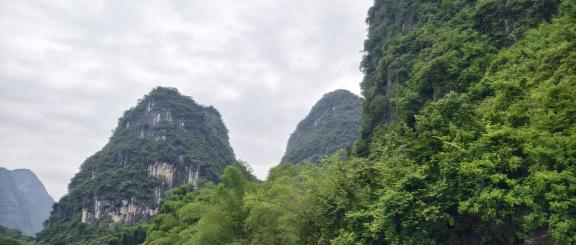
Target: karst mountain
(166,140)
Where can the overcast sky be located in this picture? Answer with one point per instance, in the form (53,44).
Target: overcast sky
(68,69)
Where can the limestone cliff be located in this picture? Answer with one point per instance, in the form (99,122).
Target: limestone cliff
(165,141)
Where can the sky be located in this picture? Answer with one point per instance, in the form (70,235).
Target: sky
(69,68)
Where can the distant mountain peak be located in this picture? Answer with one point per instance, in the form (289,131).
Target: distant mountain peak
(332,124)
(24,202)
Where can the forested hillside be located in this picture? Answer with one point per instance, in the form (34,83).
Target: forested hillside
(469,137)
(332,124)
(418,51)
(165,141)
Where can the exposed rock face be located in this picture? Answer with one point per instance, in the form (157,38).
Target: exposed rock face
(332,124)
(127,213)
(162,171)
(24,202)
(165,141)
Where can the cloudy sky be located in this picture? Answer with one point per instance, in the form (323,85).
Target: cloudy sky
(69,68)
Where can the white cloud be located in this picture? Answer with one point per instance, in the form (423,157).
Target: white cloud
(68,69)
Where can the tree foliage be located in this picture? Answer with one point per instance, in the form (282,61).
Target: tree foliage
(419,51)
(473,141)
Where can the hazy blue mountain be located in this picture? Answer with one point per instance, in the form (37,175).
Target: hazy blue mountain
(24,202)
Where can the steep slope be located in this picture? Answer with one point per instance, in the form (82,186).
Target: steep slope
(418,51)
(332,124)
(165,141)
(470,123)
(24,202)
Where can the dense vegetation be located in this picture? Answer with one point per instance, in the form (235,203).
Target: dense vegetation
(418,51)
(166,140)
(215,214)
(332,124)
(9,236)
(469,137)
